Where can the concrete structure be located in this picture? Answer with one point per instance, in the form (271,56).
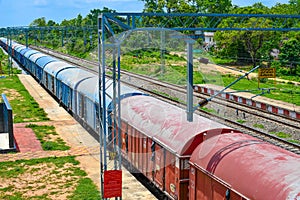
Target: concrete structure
(6,126)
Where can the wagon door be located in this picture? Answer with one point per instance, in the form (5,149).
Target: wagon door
(47,81)
(124,135)
(80,106)
(89,117)
(150,159)
(51,83)
(172,178)
(145,155)
(159,175)
(203,186)
(140,152)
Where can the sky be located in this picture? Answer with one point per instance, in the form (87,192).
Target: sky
(23,12)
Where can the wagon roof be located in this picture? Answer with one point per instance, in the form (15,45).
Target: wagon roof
(167,124)
(14,45)
(90,88)
(55,67)
(255,168)
(34,57)
(28,52)
(3,39)
(72,76)
(42,61)
(20,48)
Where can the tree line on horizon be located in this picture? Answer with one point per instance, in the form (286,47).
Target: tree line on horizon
(239,47)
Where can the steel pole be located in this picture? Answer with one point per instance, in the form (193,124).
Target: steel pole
(190,80)
(101,132)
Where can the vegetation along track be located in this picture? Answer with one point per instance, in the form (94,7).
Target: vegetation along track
(264,125)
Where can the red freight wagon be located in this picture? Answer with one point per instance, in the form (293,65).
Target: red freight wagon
(238,166)
(158,141)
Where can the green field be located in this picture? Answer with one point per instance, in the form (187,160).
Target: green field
(173,70)
(286,92)
(54,178)
(25,108)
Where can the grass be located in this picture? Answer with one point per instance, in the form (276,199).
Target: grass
(10,171)
(291,77)
(167,95)
(5,69)
(281,134)
(241,121)
(148,62)
(48,137)
(85,190)
(258,126)
(208,110)
(174,71)
(282,91)
(294,141)
(221,61)
(25,108)
(52,178)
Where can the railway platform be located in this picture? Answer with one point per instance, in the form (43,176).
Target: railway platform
(83,145)
(264,103)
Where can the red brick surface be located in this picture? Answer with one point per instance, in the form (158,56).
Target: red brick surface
(25,139)
(29,147)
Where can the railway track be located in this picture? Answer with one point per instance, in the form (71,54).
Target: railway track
(168,92)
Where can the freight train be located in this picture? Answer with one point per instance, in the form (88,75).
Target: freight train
(202,159)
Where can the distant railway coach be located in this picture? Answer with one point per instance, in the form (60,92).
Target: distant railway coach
(41,63)
(158,141)
(27,64)
(30,62)
(66,85)
(51,71)
(18,55)
(36,69)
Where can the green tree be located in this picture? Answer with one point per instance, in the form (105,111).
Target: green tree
(213,6)
(282,9)
(290,54)
(51,23)
(78,20)
(154,6)
(39,22)
(187,6)
(92,18)
(295,4)
(247,45)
